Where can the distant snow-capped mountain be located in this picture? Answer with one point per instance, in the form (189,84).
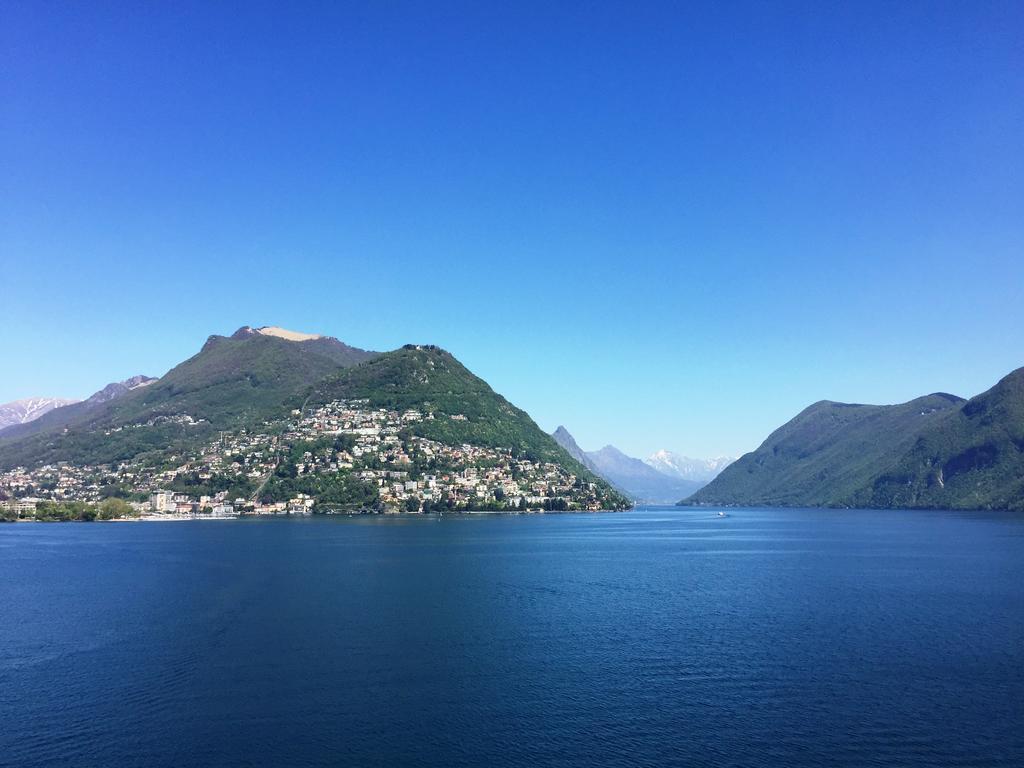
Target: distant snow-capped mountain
(642,482)
(25,416)
(637,479)
(29,409)
(674,465)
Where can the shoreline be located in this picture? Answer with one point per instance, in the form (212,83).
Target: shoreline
(389,515)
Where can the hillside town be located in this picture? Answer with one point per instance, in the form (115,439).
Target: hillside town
(343,457)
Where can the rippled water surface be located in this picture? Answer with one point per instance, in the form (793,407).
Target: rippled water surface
(652,638)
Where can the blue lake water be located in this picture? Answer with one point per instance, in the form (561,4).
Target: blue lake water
(650,638)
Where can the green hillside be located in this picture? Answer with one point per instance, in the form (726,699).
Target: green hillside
(937,451)
(244,379)
(233,381)
(972,460)
(431,380)
(241,389)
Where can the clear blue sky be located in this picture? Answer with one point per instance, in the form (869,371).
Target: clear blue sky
(661,225)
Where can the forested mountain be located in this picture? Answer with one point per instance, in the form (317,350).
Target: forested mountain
(429,379)
(935,451)
(244,412)
(238,380)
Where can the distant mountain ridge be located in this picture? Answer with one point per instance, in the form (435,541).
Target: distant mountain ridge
(74,410)
(632,476)
(568,442)
(29,409)
(641,481)
(937,451)
(701,470)
(118,388)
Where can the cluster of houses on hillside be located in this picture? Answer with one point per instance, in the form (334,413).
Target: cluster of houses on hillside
(56,482)
(164,502)
(405,472)
(413,473)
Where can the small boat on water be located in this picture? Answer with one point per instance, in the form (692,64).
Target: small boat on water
(722,514)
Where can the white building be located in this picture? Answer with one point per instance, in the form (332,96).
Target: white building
(162,501)
(25,506)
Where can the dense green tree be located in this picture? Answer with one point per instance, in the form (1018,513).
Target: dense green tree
(114,509)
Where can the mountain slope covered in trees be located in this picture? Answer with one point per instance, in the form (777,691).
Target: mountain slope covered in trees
(258,381)
(238,380)
(937,451)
